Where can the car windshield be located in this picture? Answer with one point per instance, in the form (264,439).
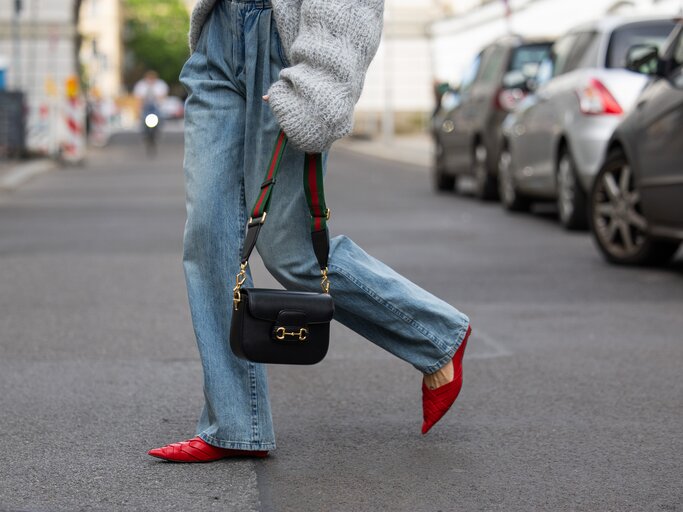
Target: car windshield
(652,33)
(527,58)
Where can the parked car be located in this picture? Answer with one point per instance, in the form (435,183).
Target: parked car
(555,141)
(466,128)
(636,204)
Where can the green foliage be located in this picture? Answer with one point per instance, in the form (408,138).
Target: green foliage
(155,37)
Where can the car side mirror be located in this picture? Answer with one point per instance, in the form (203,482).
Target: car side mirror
(644,58)
(450,99)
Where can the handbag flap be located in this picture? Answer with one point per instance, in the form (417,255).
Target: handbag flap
(267,304)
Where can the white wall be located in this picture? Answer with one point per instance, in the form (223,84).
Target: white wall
(406,64)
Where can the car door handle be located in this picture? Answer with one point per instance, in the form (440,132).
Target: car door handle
(641,104)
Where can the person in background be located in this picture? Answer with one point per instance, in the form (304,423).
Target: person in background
(151,91)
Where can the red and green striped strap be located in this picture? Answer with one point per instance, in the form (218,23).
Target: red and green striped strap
(263,201)
(315,193)
(315,197)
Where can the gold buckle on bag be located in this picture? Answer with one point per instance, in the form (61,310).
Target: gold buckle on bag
(281,332)
(239,281)
(325,281)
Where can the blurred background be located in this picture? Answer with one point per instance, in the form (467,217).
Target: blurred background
(104,46)
(521,159)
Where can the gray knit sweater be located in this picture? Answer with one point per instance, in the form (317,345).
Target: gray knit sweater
(330,44)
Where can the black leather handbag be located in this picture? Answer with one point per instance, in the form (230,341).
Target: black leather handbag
(281,326)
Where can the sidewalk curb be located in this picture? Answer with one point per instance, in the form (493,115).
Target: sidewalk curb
(23,172)
(393,153)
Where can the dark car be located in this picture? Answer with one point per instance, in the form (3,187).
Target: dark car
(467,127)
(636,204)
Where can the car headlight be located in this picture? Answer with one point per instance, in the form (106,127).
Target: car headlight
(151,120)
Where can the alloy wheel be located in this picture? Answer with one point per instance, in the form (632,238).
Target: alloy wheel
(485,183)
(566,189)
(442,181)
(480,163)
(617,217)
(571,199)
(506,185)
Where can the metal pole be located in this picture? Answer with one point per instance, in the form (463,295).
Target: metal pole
(16,42)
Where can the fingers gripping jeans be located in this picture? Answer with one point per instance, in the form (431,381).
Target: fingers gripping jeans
(229,135)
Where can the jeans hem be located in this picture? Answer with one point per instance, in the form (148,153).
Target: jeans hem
(236,445)
(448,356)
(434,340)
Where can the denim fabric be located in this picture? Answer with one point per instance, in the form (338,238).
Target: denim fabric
(229,135)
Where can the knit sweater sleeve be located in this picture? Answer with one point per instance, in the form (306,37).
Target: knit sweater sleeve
(314,98)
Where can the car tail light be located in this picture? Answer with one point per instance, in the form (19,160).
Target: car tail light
(507,99)
(595,99)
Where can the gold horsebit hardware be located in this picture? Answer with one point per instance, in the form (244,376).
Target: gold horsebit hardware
(281,332)
(239,281)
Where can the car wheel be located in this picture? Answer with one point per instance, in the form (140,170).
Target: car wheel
(485,184)
(571,199)
(617,222)
(442,182)
(511,199)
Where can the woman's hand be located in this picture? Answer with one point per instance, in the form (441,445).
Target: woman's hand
(265,98)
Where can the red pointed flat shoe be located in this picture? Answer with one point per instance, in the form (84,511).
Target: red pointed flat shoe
(437,402)
(198,450)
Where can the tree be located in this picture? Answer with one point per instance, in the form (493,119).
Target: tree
(155,37)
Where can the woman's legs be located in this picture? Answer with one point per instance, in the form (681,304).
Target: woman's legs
(370,297)
(230,133)
(237,412)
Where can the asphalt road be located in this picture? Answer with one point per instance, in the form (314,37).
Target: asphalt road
(573,388)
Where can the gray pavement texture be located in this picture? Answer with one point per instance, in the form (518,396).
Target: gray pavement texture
(572,398)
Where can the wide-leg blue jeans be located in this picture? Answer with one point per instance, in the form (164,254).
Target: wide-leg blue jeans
(229,135)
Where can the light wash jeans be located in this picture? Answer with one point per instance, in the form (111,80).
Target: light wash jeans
(229,135)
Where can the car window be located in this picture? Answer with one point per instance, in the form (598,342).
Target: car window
(651,33)
(590,57)
(526,58)
(492,64)
(578,55)
(470,74)
(560,53)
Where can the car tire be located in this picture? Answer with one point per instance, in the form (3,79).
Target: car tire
(571,199)
(442,182)
(616,220)
(511,199)
(485,184)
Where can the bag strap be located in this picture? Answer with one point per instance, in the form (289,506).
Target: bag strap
(315,197)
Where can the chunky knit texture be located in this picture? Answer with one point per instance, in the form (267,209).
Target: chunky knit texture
(329,45)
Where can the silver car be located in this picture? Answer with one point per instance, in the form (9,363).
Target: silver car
(636,204)
(555,140)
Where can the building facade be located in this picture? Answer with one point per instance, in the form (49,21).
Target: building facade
(40,46)
(101,50)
